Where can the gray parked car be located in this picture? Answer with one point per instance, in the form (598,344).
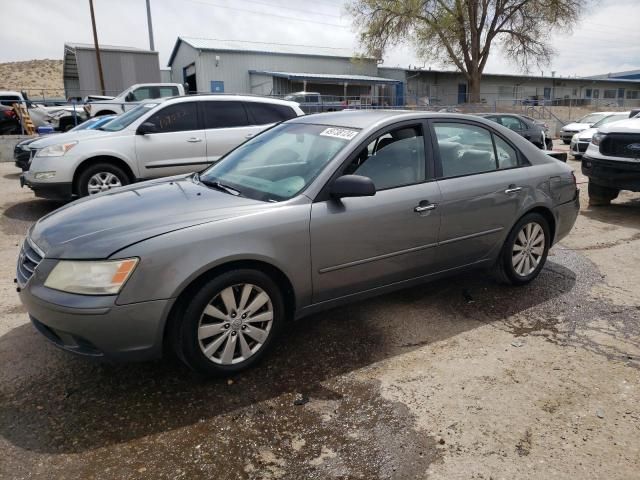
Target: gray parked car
(536,131)
(313,212)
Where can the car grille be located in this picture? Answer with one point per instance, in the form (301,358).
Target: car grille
(617,145)
(582,147)
(30,257)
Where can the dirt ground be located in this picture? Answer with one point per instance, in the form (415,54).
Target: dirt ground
(459,379)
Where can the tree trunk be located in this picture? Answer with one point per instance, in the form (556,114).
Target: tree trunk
(474,86)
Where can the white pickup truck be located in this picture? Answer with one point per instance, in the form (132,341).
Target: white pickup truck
(612,161)
(130,98)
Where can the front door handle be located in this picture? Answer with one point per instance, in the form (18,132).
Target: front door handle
(194,140)
(424,206)
(512,189)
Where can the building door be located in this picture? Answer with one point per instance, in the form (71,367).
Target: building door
(400,94)
(621,96)
(462,93)
(547,93)
(189,77)
(217,86)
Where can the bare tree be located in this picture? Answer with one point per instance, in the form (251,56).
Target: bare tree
(462,32)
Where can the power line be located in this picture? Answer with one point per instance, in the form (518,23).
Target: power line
(294,9)
(254,12)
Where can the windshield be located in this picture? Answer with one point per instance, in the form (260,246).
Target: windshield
(609,119)
(280,163)
(592,118)
(127,118)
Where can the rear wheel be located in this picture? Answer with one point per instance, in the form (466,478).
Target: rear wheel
(99,178)
(230,323)
(601,196)
(525,250)
(566,142)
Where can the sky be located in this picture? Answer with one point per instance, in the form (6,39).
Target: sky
(605,40)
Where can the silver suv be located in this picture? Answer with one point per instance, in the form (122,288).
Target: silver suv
(155,139)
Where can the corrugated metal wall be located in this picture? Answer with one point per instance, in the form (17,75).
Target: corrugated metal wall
(120,69)
(233,68)
(185,56)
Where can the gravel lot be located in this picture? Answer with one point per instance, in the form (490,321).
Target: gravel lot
(461,378)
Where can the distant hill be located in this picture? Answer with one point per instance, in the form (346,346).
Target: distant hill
(36,77)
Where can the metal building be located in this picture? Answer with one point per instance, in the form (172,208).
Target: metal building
(121,66)
(209,65)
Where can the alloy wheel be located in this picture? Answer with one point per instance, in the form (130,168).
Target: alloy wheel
(528,249)
(235,324)
(101,182)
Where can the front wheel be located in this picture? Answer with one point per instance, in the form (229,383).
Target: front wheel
(99,178)
(601,196)
(230,323)
(525,250)
(566,142)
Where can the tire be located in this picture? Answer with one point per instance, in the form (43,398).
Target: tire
(88,181)
(577,156)
(600,196)
(227,330)
(566,142)
(507,269)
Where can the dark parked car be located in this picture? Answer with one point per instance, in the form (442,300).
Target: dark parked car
(9,122)
(312,213)
(533,130)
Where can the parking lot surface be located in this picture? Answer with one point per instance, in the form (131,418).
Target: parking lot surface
(463,378)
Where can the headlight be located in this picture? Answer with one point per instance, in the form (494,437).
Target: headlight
(597,138)
(44,175)
(56,150)
(574,138)
(91,277)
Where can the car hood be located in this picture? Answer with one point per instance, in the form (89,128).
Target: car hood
(588,133)
(623,126)
(576,127)
(57,138)
(97,227)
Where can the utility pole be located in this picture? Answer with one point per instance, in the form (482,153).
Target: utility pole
(150,25)
(95,42)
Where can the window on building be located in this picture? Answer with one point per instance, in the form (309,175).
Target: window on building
(633,94)
(224,114)
(610,94)
(596,93)
(587,93)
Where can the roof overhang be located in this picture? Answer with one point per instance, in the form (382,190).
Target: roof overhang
(328,78)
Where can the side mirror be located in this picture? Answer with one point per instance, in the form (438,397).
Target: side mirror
(130,97)
(353,186)
(147,128)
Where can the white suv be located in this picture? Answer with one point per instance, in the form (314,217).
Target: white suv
(612,161)
(155,139)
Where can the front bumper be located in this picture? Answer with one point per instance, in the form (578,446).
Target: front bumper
(50,190)
(619,174)
(578,148)
(567,135)
(97,326)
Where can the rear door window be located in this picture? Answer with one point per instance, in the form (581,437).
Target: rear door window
(261,113)
(168,92)
(224,114)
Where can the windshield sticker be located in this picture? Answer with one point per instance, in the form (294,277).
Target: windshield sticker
(343,133)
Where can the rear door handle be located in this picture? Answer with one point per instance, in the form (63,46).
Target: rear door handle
(512,189)
(194,140)
(424,206)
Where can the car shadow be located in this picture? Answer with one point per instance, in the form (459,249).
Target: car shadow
(53,402)
(18,217)
(625,213)
(12,176)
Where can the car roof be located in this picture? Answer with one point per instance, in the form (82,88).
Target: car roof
(364,119)
(229,97)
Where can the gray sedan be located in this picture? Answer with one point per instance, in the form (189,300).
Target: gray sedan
(315,212)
